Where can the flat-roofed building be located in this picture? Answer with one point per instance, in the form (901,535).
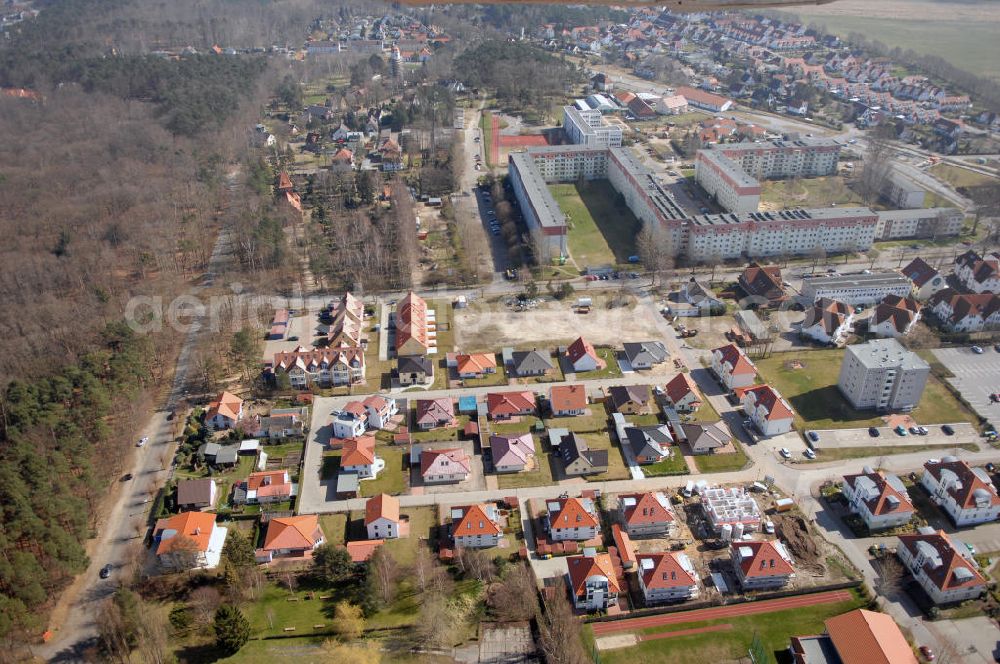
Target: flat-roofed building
(855,289)
(882,375)
(587,127)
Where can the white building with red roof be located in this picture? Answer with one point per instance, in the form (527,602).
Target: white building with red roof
(416,331)
(645,514)
(943,567)
(761,564)
(880,499)
(444,466)
(592,581)
(382,517)
(476,526)
(380,411)
(732,367)
(189,540)
(582,356)
(358,456)
(290,537)
(967,494)
(224,411)
(767,409)
(505,405)
(667,577)
(682,393)
(571,519)
(266,486)
(329,366)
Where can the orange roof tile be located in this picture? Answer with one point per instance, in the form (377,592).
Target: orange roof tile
(568,397)
(764,560)
(666,571)
(292,532)
(358,451)
(227,405)
(195,526)
(646,510)
(867,637)
(474,521)
(382,506)
(572,513)
(582,568)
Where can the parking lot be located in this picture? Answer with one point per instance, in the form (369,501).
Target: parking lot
(976,376)
(840,438)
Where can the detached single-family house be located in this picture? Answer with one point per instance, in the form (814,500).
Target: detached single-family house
(699,295)
(505,405)
(762,285)
(667,577)
(631,399)
(476,526)
(856,637)
(444,466)
(966,494)
(475,365)
(224,411)
(645,354)
(649,443)
(512,453)
(571,519)
(732,367)
(382,517)
(266,486)
(706,438)
(283,424)
(197,494)
(291,537)
(351,421)
(414,370)
(531,363)
(592,581)
(947,572)
(358,457)
(926,280)
(380,411)
(828,321)
(682,393)
(189,540)
(645,514)
(568,400)
(880,499)
(434,413)
(582,356)
(578,459)
(761,565)
(767,409)
(894,316)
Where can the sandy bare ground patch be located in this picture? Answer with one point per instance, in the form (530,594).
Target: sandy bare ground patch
(616,641)
(553,324)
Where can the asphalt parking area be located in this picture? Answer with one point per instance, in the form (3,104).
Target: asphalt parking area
(976,376)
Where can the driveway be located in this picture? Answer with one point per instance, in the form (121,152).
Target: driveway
(976,376)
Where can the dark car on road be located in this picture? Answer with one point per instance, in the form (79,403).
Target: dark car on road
(105,571)
(126,477)
(874,432)
(948,431)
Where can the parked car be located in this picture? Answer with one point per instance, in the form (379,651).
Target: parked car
(813,436)
(900,430)
(785,454)
(997,348)
(874,432)
(927,653)
(915,431)
(293,338)
(977,350)
(106,571)
(922,430)
(809,454)
(142,441)
(948,430)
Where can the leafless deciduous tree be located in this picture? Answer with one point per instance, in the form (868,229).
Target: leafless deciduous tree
(515,598)
(559,630)
(877,167)
(656,251)
(384,570)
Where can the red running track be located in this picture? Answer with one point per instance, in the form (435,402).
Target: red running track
(715,613)
(495,140)
(686,632)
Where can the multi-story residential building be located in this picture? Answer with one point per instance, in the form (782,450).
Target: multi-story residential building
(882,375)
(732,367)
(358,457)
(320,366)
(571,519)
(416,331)
(919,223)
(855,289)
(958,312)
(667,577)
(895,316)
(767,410)
(880,499)
(587,127)
(979,274)
(827,321)
(761,565)
(944,568)
(349,422)
(647,513)
(382,517)
(592,581)
(380,411)
(926,280)
(902,192)
(966,494)
(475,526)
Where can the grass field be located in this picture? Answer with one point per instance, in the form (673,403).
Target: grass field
(391,480)
(729,645)
(841,453)
(616,462)
(611,369)
(964,43)
(813,394)
(959,177)
(721,463)
(540,476)
(672,465)
(815,192)
(601,232)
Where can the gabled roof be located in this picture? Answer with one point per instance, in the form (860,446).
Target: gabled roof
(919,272)
(573,447)
(531,361)
(582,568)
(475,362)
(195,526)
(579,349)
(375,402)
(942,561)
(191,492)
(312,360)
(645,508)
(435,410)
(292,532)
(623,394)
(827,313)
(964,305)
(445,462)
(734,357)
(226,404)
(679,387)
(571,514)
(267,478)
(665,570)
(707,436)
(883,497)
(511,449)
(868,637)
(568,397)
(415,364)
(474,521)
(649,441)
(506,403)
(411,319)
(762,558)
(358,451)
(772,402)
(900,314)
(382,506)
(647,351)
(963,484)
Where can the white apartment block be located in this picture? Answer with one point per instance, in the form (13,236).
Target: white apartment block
(943,567)
(967,494)
(880,499)
(919,223)
(882,375)
(855,289)
(587,127)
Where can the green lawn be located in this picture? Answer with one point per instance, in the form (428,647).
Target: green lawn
(611,369)
(540,476)
(449,433)
(774,629)
(498,378)
(616,462)
(525,424)
(840,453)
(672,465)
(391,480)
(602,229)
(816,192)
(721,463)
(813,394)
(596,421)
(706,413)
(334,526)
(404,550)
(959,177)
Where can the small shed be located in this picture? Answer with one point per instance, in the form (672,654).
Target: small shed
(249,447)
